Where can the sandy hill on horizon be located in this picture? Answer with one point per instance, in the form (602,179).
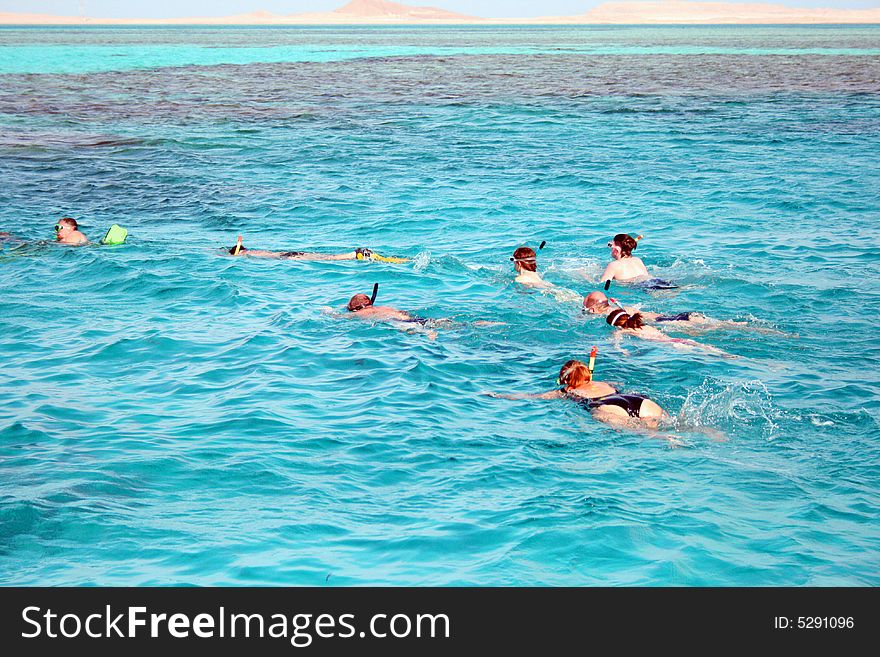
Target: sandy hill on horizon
(378,12)
(682,11)
(384,8)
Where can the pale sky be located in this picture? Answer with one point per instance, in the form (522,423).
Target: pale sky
(484,8)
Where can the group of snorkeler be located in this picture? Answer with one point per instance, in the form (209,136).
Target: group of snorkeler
(603,401)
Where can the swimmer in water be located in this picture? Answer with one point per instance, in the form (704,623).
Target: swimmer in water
(603,401)
(626,268)
(357,254)
(363,307)
(67,232)
(635,325)
(525,262)
(596,303)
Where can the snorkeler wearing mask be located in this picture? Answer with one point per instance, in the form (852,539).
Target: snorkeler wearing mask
(363,307)
(627,268)
(358,254)
(596,303)
(633,324)
(67,232)
(604,402)
(525,263)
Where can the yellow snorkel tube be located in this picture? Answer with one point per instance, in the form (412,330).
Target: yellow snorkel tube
(592,365)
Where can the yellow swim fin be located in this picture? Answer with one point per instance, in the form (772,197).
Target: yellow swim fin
(381,258)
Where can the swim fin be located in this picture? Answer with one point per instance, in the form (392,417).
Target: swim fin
(116,235)
(381,258)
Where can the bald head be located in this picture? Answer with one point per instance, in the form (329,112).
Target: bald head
(595,302)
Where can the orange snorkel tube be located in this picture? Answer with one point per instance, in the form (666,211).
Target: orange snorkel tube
(237,246)
(592,365)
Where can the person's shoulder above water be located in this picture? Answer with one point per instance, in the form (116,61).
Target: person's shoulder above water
(525,263)
(624,266)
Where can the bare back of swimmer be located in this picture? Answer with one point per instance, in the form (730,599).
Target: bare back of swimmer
(624,265)
(525,263)
(604,402)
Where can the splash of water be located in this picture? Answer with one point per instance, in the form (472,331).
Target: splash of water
(740,409)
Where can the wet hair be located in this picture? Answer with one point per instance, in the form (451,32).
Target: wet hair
(359,302)
(574,374)
(526,257)
(626,243)
(595,299)
(621,319)
(232,250)
(68,221)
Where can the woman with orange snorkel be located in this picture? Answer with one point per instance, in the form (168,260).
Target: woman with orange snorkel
(604,401)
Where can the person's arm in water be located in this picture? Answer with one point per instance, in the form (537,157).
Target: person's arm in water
(551,394)
(650,333)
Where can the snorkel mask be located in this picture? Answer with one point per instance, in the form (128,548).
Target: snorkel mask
(530,258)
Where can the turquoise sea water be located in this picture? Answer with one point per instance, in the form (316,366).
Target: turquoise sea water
(170,416)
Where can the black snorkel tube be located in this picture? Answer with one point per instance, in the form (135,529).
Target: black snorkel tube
(375,292)
(541,246)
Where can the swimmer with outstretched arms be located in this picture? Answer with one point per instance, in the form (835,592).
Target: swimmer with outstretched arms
(602,400)
(627,268)
(67,232)
(634,325)
(357,254)
(596,303)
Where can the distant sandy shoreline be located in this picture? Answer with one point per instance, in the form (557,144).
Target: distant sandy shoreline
(377,12)
(482,23)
